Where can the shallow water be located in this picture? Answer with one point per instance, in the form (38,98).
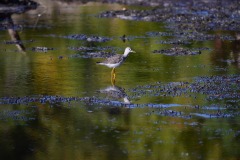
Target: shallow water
(53,102)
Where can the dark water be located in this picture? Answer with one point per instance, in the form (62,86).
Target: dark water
(52,106)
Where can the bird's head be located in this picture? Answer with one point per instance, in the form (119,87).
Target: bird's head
(127,51)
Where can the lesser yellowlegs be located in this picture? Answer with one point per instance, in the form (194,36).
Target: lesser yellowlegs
(116,60)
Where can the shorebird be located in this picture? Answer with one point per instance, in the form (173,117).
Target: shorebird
(116,60)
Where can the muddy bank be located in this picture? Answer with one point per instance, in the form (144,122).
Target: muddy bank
(91,38)
(221,92)
(177,51)
(16,6)
(219,88)
(198,16)
(187,22)
(92,52)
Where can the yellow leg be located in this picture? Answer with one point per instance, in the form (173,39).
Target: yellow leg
(113,76)
(113,81)
(112,72)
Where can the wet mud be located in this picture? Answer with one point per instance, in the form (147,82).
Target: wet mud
(186,21)
(88,38)
(41,49)
(222,93)
(18,115)
(195,16)
(219,88)
(177,51)
(13,6)
(92,52)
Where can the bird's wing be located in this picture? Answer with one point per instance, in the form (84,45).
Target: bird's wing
(114,59)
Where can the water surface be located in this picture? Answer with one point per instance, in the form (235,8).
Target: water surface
(52,105)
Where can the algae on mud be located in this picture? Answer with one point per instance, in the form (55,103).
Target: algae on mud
(56,102)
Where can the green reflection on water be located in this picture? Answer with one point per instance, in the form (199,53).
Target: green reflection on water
(115,133)
(81,131)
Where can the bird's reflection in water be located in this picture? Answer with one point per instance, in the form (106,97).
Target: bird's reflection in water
(116,93)
(120,101)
